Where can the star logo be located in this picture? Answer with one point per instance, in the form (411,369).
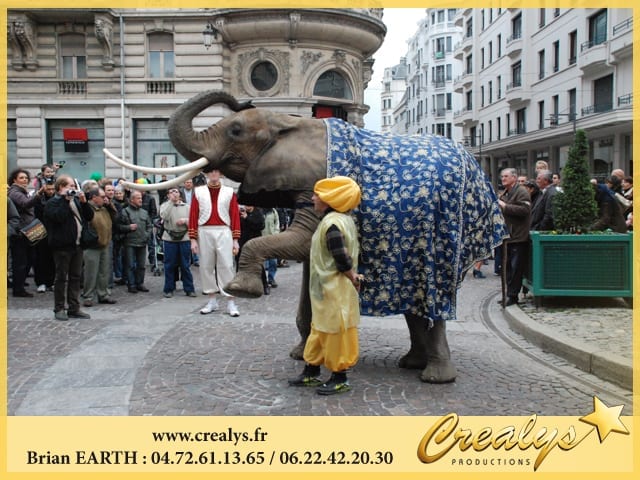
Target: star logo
(605,419)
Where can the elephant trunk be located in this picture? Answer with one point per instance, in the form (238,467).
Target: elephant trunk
(191,144)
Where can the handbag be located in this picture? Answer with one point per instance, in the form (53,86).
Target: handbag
(88,236)
(176,235)
(34,231)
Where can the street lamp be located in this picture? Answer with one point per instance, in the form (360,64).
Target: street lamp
(210,33)
(553,120)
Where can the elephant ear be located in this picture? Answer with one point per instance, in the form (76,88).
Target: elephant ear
(294,159)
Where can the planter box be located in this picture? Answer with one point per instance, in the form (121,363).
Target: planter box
(589,265)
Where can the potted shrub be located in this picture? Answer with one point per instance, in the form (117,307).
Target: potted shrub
(572,260)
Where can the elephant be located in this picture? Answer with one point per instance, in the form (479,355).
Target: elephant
(427,213)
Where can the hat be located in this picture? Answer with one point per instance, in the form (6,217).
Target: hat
(340,193)
(97,176)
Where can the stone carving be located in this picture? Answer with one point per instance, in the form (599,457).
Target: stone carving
(22,36)
(339,56)
(308,58)
(104,34)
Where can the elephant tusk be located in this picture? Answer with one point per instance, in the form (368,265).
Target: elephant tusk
(200,163)
(162,185)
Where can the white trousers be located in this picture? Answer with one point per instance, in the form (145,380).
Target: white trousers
(215,247)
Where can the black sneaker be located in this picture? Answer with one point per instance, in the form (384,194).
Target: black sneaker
(333,386)
(78,314)
(308,377)
(303,380)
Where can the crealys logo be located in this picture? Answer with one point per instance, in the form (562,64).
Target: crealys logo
(446,434)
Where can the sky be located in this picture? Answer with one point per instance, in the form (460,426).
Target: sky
(402,24)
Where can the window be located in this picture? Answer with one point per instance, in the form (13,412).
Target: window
(469,96)
(332,84)
(490,53)
(516,74)
(440,16)
(556,56)
(438,46)
(469,64)
(507,120)
(451,14)
(556,12)
(540,115)
(449,104)
(542,17)
(440,104)
(490,92)
(516,27)
(469,30)
(598,28)
(73,56)
(572,103)
(499,87)
(556,105)
(490,137)
(449,72)
(481,58)
(161,55)
(603,94)
(498,130)
(499,45)
(448,44)
(482,96)
(482,26)
(521,121)
(573,47)
(439,76)
(541,61)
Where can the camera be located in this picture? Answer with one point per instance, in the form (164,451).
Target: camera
(60,164)
(71,193)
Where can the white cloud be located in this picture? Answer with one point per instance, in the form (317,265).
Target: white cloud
(402,24)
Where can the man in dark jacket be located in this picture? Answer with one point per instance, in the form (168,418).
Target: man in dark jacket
(136,221)
(64,216)
(515,205)
(542,210)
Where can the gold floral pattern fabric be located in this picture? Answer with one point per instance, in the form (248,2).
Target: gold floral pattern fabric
(427,214)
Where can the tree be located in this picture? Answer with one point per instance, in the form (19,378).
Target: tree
(574,209)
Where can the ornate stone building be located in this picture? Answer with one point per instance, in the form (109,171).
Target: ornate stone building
(80,80)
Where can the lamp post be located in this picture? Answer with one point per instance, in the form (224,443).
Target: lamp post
(572,116)
(210,33)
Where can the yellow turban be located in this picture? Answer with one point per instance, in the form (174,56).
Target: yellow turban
(340,193)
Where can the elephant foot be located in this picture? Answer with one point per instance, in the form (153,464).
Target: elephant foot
(297,351)
(245,286)
(439,371)
(413,360)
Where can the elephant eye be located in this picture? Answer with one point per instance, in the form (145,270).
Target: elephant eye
(235,130)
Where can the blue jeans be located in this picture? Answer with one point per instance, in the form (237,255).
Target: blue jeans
(134,259)
(177,254)
(271,267)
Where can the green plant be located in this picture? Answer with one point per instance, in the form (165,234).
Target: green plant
(574,209)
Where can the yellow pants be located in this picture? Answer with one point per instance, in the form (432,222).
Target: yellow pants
(337,351)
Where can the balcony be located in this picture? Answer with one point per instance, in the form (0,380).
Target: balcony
(458,52)
(513,46)
(597,108)
(593,56)
(160,87)
(625,101)
(467,44)
(72,88)
(621,43)
(516,94)
(438,55)
(437,84)
(463,117)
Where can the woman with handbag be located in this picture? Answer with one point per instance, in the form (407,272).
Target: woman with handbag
(22,252)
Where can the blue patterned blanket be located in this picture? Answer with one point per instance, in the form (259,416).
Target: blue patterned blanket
(427,214)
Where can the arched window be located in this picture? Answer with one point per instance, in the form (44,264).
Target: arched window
(161,56)
(333,84)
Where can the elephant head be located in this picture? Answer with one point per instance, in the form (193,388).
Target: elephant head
(274,156)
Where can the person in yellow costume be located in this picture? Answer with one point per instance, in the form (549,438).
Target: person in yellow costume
(333,286)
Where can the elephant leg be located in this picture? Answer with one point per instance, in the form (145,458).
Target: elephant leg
(429,351)
(292,244)
(439,368)
(303,317)
(416,357)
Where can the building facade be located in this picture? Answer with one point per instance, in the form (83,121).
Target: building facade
(530,77)
(431,69)
(80,80)
(393,89)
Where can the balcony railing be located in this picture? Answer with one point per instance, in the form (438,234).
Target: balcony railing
(597,108)
(622,26)
(161,87)
(593,42)
(515,36)
(72,87)
(625,99)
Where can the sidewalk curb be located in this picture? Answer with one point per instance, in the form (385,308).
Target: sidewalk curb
(605,365)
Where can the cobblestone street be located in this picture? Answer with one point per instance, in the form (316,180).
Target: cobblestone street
(148,355)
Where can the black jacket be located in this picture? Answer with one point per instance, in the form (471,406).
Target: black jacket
(62,229)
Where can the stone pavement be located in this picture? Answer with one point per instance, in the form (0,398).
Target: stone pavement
(148,355)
